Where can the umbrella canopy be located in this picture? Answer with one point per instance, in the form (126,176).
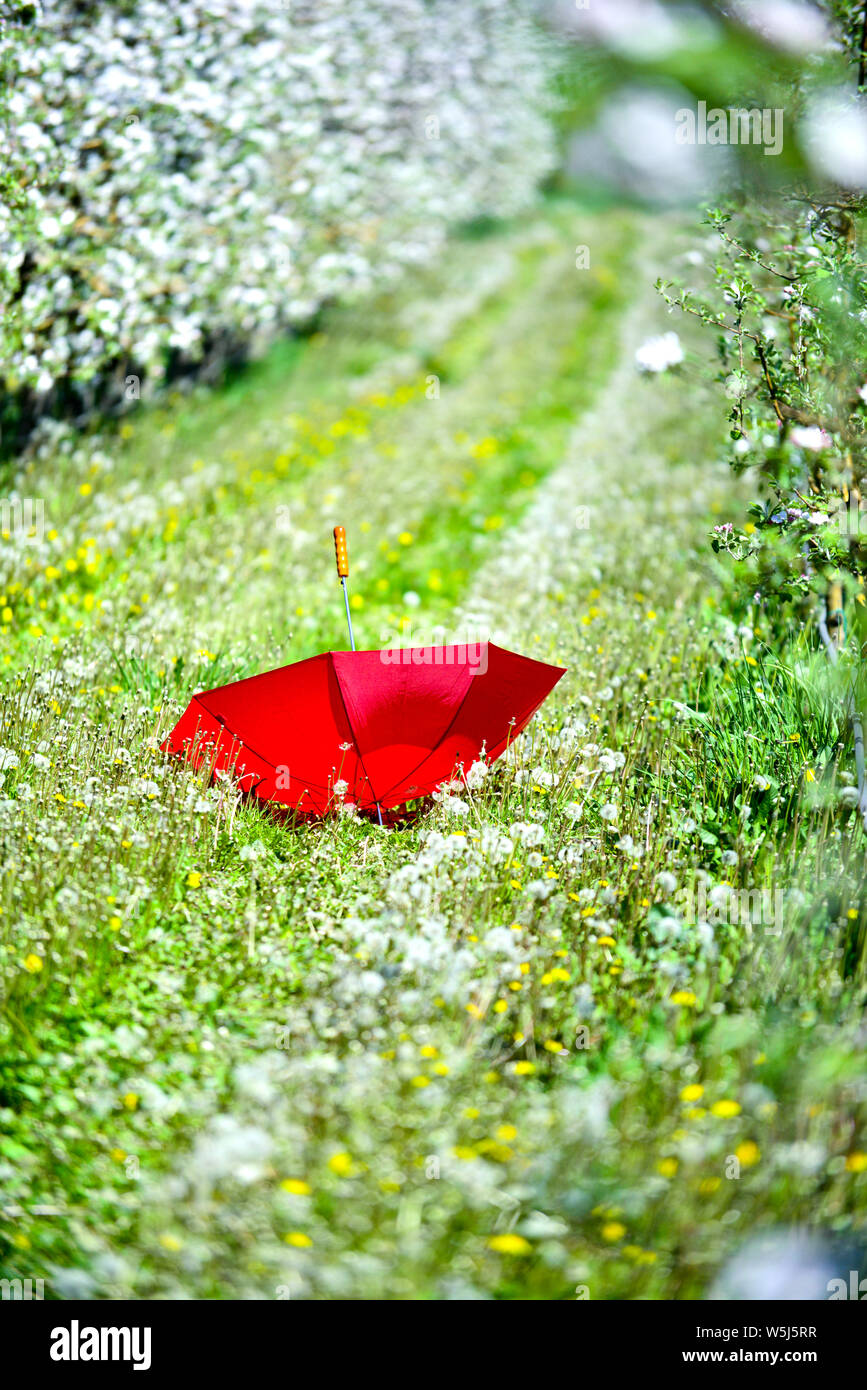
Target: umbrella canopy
(391,725)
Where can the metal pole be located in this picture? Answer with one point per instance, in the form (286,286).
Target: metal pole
(348,617)
(342,556)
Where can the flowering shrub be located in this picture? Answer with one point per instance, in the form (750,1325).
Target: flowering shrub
(200,175)
(659,353)
(780,279)
(789,309)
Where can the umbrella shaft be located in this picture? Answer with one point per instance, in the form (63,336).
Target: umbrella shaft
(348,616)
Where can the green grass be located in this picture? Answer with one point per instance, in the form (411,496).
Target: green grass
(490,1052)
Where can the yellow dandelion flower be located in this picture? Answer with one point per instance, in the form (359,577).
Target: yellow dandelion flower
(725,1109)
(485,447)
(298,1239)
(510,1244)
(747,1153)
(684,997)
(341,1164)
(297,1186)
(557,974)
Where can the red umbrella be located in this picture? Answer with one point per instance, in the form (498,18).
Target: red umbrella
(377,728)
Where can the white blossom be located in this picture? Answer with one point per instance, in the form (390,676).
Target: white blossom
(659,353)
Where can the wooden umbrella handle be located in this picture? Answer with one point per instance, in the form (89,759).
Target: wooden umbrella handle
(341,553)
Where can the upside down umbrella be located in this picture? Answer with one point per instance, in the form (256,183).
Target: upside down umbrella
(376,728)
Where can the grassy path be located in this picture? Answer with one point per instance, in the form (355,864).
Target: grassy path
(493,1054)
(425,454)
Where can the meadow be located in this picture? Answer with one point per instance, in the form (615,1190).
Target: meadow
(495,1052)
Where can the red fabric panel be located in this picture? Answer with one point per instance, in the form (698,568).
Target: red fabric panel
(205,743)
(400,704)
(292,722)
(502,696)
